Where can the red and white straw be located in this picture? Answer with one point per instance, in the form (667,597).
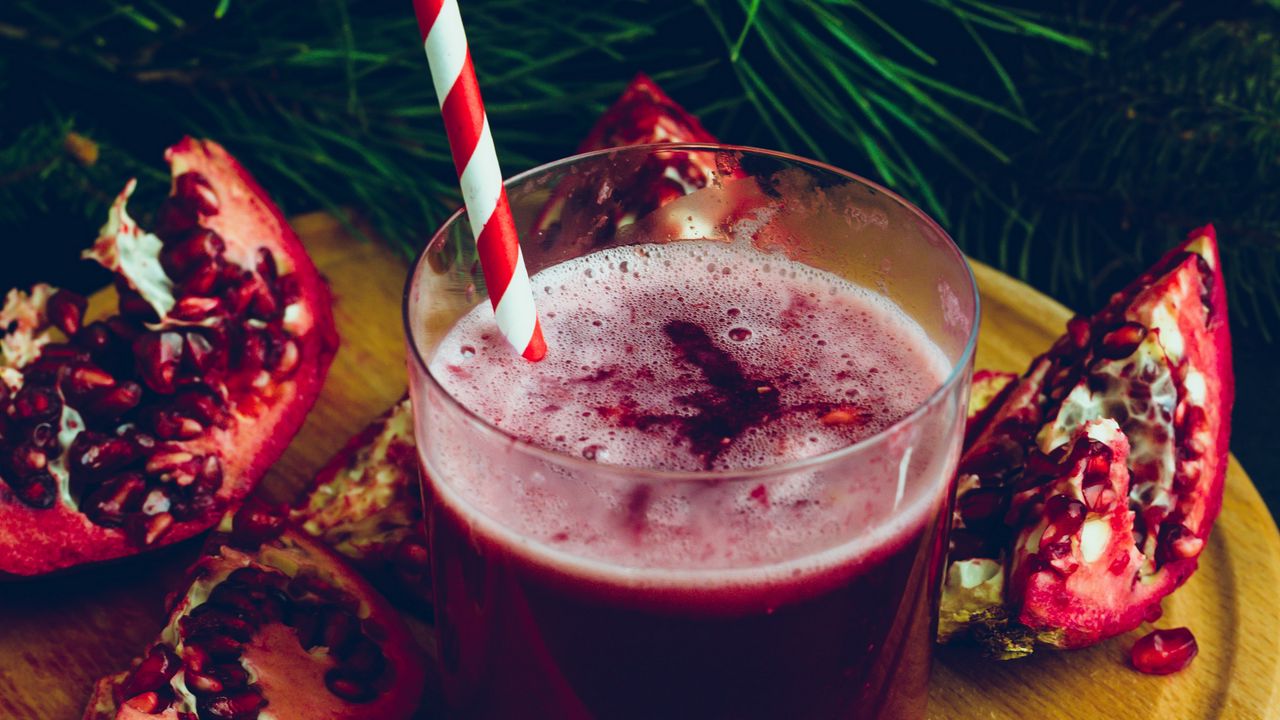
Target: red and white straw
(481,178)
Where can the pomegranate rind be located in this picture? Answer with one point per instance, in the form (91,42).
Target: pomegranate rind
(643,114)
(1180,307)
(366,505)
(290,678)
(40,541)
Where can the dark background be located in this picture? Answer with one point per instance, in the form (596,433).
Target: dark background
(1071,163)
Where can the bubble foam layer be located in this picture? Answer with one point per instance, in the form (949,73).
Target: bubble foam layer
(693,356)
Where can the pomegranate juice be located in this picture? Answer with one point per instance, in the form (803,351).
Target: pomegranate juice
(688,562)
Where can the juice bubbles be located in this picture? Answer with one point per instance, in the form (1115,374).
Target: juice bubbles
(675,514)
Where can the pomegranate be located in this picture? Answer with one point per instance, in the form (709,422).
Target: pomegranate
(137,431)
(272,625)
(1088,487)
(644,114)
(366,505)
(1161,652)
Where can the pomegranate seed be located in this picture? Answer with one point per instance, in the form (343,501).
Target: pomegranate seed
(95,337)
(286,359)
(201,403)
(134,305)
(253,352)
(147,702)
(66,310)
(982,506)
(411,556)
(365,660)
(166,460)
(346,686)
(1078,330)
(169,425)
(82,380)
(202,684)
(215,645)
(155,670)
(1060,557)
(112,500)
(194,187)
(35,403)
(198,250)
(39,491)
(1162,652)
(158,355)
(114,402)
(1176,542)
(231,707)
(176,216)
(28,460)
(1121,342)
(210,474)
(339,629)
(97,453)
(201,355)
(257,522)
(215,620)
(194,308)
(1065,515)
(266,266)
(306,620)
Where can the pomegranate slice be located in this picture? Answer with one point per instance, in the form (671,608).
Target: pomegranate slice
(366,505)
(270,621)
(644,114)
(1161,652)
(1088,488)
(138,431)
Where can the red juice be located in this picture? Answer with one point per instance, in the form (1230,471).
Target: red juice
(679,575)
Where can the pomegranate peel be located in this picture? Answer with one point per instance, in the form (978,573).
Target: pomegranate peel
(283,626)
(1109,455)
(138,431)
(643,114)
(366,505)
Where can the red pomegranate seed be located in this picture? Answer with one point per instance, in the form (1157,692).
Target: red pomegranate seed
(200,249)
(81,380)
(158,355)
(195,307)
(1121,342)
(1162,652)
(39,491)
(95,337)
(28,460)
(346,686)
(114,402)
(34,403)
(108,504)
(66,310)
(148,702)
(155,670)
(193,187)
(981,506)
(1078,329)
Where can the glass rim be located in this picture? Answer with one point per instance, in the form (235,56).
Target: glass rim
(957,371)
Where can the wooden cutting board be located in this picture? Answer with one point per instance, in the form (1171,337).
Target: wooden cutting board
(58,636)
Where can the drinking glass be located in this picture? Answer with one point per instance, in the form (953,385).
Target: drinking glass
(834,622)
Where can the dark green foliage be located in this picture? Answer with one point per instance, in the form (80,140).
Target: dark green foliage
(1069,146)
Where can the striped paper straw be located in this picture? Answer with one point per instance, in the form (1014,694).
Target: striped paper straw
(477,164)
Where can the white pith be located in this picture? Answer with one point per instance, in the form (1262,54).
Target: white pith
(130,252)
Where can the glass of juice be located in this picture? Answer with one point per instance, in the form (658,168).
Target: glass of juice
(724,493)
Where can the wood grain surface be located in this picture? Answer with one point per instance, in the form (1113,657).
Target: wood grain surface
(57,636)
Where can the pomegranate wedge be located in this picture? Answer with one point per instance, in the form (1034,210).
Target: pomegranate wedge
(366,506)
(1088,488)
(137,431)
(270,625)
